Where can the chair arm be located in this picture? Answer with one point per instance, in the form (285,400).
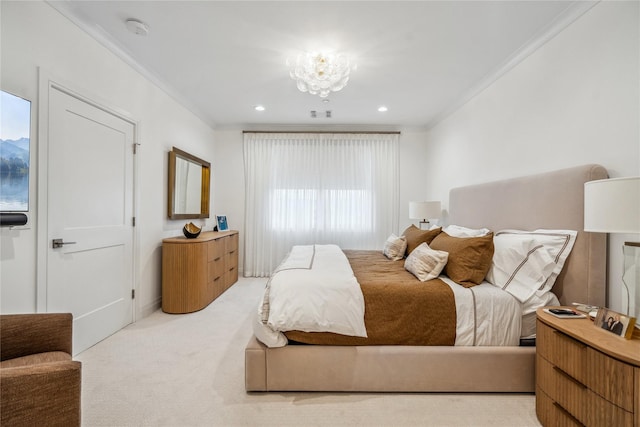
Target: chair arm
(24,334)
(43,394)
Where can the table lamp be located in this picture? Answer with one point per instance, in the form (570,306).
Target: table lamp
(613,206)
(424,211)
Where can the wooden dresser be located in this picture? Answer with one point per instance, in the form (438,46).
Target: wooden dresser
(196,271)
(585,375)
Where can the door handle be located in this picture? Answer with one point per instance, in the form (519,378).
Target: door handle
(58,243)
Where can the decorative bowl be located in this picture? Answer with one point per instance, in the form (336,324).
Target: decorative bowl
(191,231)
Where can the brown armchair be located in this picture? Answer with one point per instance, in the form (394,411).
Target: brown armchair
(39,383)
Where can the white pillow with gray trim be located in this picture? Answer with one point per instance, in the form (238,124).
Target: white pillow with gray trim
(519,266)
(395,247)
(558,244)
(426,263)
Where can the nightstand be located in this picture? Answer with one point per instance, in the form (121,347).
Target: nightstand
(585,375)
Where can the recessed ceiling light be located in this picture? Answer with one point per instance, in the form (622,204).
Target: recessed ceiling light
(259,108)
(137,27)
(382,109)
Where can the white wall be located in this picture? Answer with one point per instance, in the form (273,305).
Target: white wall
(228,176)
(574,101)
(35,35)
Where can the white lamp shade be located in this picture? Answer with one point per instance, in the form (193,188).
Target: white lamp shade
(612,205)
(424,210)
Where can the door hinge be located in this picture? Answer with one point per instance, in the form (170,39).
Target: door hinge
(133,221)
(133,293)
(135,148)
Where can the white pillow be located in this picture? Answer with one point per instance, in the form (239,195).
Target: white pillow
(558,244)
(539,299)
(395,247)
(426,263)
(458,231)
(519,266)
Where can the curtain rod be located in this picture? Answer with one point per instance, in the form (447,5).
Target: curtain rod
(320,132)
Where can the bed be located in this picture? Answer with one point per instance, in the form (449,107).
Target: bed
(552,200)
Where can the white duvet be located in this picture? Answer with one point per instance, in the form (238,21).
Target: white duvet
(312,290)
(297,298)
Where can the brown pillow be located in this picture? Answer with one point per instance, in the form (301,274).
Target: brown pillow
(469,257)
(415,237)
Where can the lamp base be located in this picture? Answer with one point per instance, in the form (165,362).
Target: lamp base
(424,221)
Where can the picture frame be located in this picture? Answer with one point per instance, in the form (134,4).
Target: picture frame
(222,222)
(615,323)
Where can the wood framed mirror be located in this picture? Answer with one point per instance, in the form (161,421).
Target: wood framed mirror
(189,178)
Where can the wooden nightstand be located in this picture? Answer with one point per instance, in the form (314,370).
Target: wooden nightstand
(585,375)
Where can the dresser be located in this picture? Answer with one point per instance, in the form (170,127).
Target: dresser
(196,271)
(585,375)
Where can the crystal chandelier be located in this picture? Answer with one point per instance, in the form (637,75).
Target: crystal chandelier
(320,73)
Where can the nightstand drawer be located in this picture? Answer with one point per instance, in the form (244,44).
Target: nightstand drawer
(562,351)
(552,414)
(570,394)
(610,378)
(604,413)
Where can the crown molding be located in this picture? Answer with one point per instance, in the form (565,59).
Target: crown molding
(574,11)
(66,9)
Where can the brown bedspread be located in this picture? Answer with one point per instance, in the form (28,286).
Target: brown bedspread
(399,309)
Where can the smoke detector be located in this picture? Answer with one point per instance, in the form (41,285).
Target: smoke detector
(137,27)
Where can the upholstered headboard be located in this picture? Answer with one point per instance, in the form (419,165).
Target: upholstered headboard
(552,200)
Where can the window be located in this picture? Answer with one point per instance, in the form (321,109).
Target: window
(317,189)
(323,209)
(15,121)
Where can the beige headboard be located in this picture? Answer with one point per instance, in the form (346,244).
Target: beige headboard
(552,200)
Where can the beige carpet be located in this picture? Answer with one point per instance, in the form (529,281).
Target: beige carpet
(188,370)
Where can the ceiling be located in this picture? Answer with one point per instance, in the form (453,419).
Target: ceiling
(421,59)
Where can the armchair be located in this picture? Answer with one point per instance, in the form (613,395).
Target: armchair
(39,383)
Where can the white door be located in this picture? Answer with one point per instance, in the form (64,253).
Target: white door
(90,207)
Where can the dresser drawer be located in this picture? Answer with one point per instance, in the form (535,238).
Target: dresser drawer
(231,243)
(562,351)
(610,378)
(551,413)
(216,249)
(216,269)
(561,388)
(231,276)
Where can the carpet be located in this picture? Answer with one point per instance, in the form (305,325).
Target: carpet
(188,370)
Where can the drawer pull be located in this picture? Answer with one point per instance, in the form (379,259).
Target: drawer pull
(568,338)
(217,259)
(232,268)
(216,279)
(567,413)
(569,377)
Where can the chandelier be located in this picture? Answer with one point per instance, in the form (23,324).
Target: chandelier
(320,73)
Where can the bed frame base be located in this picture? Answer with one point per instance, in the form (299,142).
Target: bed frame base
(389,368)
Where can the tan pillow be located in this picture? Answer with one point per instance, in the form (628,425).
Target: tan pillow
(425,263)
(415,237)
(395,247)
(469,257)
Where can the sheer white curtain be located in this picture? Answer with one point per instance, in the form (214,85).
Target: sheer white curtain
(317,188)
